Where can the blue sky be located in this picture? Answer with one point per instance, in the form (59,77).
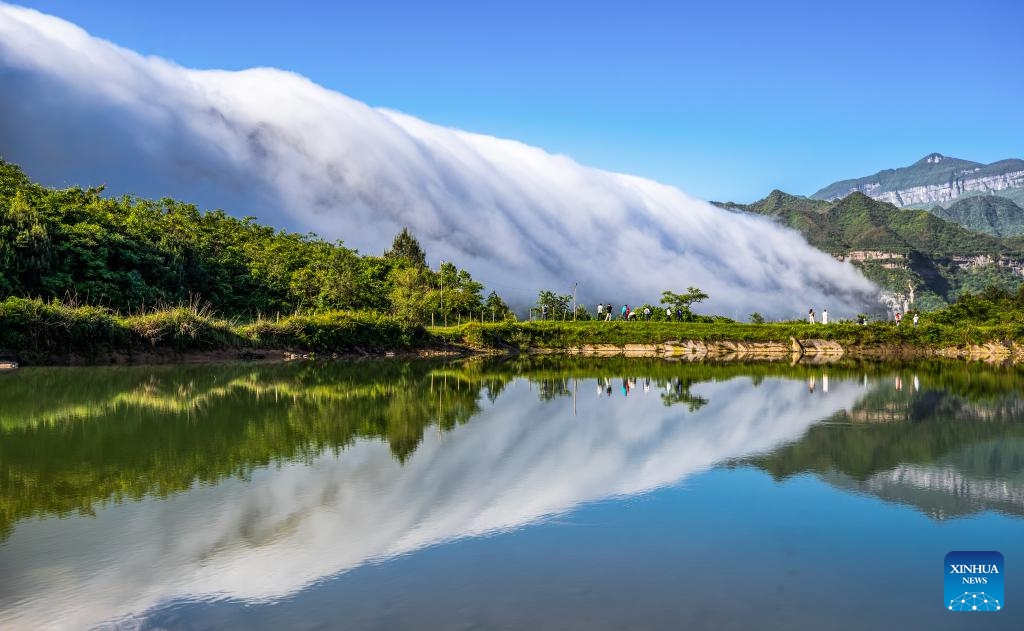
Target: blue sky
(726,101)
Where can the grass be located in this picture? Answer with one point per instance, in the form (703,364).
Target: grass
(575,334)
(52,332)
(48,332)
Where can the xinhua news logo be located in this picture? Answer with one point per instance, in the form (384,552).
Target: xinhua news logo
(974,581)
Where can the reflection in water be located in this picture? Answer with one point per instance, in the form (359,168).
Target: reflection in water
(377,460)
(950,449)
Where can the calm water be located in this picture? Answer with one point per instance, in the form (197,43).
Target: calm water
(562,494)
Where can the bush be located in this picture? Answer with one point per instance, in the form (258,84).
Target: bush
(340,331)
(34,326)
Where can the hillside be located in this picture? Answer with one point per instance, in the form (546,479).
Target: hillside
(934,179)
(990,214)
(899,248)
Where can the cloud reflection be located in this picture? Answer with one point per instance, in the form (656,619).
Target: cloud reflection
(520,461)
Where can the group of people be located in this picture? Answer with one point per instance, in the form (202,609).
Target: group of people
(860,319)
(811,317)
(604,312)
(899,318)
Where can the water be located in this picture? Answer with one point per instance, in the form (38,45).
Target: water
(546,493)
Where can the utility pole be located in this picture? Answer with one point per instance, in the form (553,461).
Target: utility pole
(574,301)
(441,272)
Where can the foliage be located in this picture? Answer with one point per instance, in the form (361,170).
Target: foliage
(937,257)
(405,249)
(680,303)
(756,318)
(133,255)
(552,306)
(497,308)
(990,214)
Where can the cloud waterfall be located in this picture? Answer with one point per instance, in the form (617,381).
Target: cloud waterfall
(269,143)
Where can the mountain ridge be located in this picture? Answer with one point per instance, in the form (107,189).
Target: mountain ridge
(904,251)
(934,179)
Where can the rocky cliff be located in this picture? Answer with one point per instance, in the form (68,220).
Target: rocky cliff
(934,179)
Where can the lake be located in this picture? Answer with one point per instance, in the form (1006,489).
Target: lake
(545,492)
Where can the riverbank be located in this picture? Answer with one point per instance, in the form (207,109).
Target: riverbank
(33,332)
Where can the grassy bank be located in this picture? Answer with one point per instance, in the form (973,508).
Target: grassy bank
(52,333)
(556,335)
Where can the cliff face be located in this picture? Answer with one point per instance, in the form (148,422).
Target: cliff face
(935,179)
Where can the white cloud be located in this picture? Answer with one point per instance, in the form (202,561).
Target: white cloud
(77,109)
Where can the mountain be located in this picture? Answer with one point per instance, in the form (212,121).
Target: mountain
(913,254)
(934,179)
(990,214)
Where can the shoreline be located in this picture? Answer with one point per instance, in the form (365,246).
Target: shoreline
(804,351)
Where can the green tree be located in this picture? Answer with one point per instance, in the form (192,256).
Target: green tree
(554,306)
(756,318)
(495,307)
(406,249)
(682,302)
(462,294)
(412,296)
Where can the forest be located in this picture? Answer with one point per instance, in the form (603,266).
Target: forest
(133,255)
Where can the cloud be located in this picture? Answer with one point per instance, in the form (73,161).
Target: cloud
(263,142)
(337,513)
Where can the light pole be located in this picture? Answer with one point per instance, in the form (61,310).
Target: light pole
(440,270)
(574,301)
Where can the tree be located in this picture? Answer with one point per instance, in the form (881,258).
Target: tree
(553,305)
(756,318)
(496,307)
(682,302)
(412,296)
(405,248)
(461,293)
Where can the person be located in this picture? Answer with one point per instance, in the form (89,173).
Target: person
(810,316)
(600,309)
(679,314)
(824,315)
(915,319)
(608,312)
(647,313)
(544,312)
(898,318)
(668,313)
(625,311)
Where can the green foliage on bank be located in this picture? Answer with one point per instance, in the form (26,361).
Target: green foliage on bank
(134,255)
(48,332)
(931,332)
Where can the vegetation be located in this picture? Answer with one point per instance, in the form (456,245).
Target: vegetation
(132,255)
(85,278)
(43,332)
(680,303)
(991,214)
(899,248)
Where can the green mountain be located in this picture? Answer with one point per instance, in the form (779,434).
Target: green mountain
(902,250)
(934,179)
(990,214)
